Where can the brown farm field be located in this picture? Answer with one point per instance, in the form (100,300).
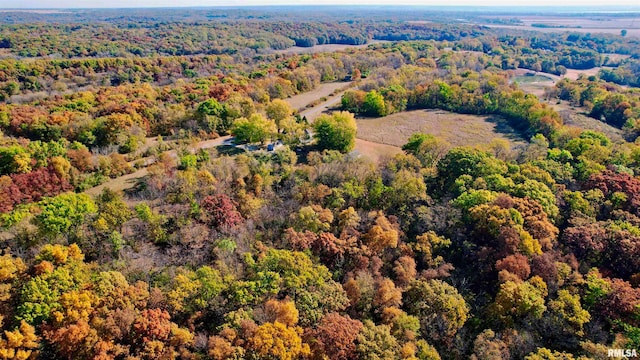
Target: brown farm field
(599,21)
(457,129)
(592,24)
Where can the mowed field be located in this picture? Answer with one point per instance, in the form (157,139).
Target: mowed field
(528,76)
(571,116)
(457,129)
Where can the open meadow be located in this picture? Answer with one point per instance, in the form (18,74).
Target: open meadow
(457,129)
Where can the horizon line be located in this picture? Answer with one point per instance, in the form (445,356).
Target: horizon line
(330,5)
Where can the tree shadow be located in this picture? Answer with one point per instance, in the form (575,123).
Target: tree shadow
(503,127)
(229,150)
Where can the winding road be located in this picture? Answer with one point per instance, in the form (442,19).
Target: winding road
(314,112)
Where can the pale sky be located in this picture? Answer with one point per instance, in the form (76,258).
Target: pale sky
(48,4)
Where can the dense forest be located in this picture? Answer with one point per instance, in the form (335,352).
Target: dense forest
(161,197)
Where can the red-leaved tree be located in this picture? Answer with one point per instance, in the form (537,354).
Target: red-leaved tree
(334,337)
(219,211)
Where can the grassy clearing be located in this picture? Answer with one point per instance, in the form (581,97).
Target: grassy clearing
(573,116)
(574,74)
(375,151)
(120,183)
(588,123)
(457,129)
(534,84)
(538,88)
(528,79)
(229,150)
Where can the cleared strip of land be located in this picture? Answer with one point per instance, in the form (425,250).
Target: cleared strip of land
(298,102)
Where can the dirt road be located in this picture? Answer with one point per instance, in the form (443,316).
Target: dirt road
(298,102)
(314,112)
(373,150)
